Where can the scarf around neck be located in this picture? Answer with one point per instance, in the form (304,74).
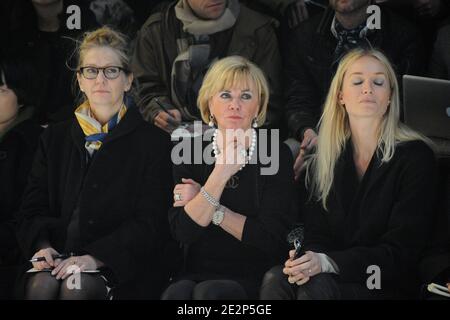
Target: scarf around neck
(197,26)
(349,39)
(94,132)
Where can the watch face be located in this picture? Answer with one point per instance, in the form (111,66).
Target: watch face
(218,217)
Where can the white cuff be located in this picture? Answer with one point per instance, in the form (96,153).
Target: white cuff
(327,264)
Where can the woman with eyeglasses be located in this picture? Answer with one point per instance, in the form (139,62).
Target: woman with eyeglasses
(94,212)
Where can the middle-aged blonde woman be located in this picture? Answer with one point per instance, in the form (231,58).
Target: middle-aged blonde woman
(372,183)
(96,203)
(231,218)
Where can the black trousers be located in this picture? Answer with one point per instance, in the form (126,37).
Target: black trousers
(324,286)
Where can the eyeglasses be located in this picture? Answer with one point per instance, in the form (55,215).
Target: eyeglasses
(110,73)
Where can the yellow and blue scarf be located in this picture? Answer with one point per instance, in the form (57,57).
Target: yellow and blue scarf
(94,132)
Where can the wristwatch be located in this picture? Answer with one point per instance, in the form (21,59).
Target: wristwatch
(218,215)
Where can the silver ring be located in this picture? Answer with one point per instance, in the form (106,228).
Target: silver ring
(177,196)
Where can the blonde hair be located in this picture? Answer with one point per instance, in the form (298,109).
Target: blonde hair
(334,127)
(226,73)
(105,37)
(102,37)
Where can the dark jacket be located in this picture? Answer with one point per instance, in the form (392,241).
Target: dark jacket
(52,53)
(309,65)
(121,198)
(17,150)
(266,202)
(383,220)
(252,36)
(435,264)
(440,59)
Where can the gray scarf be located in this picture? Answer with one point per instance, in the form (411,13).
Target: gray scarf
(195,56)
(196,26)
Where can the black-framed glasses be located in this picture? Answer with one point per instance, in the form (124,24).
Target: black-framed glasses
(111,72)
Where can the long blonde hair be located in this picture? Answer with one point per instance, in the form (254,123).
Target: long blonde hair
(334,127)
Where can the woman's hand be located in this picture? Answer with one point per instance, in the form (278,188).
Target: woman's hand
(75,264)
(300,270)
(48,254)
(233,156)
(185,192)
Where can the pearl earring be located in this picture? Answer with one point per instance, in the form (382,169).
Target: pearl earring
(255,123)
(211,120)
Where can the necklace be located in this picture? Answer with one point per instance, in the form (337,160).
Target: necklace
(250,150)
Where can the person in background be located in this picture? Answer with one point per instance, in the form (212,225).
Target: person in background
(440,58)
(44,36)
(18,141)
(177,45)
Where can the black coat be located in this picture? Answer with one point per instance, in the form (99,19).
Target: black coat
(17,150)
(122,197)
(383,220)
(309,62)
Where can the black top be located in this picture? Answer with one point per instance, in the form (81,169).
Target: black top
(266,202)
(385,219)
(122,197)
(17,149)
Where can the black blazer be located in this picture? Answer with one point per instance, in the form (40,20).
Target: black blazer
(122,197)
(384,220)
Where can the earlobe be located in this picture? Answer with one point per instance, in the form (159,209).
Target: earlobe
(341,101)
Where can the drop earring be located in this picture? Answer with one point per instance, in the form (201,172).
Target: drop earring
(211,121)
(255,123)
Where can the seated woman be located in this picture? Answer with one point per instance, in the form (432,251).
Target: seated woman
(99,189)
(18,141)
(232,223)
(373,180)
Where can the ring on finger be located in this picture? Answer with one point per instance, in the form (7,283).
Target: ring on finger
(178,197)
